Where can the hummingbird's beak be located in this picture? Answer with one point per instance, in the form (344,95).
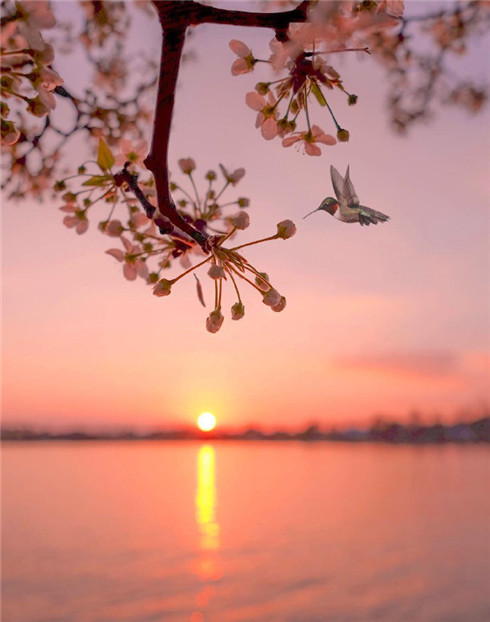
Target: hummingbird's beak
(315,210)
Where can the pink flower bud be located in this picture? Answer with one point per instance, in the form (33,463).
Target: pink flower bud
(50,78)
(45,55)
(37,107)
(216,272)
(286,229)
(187,165)
(280,305)
(162,288)
(237,311)
(69,197)
(272,298)
(10,134)
(241,220)
(263,282)
(343,136)
(214,321)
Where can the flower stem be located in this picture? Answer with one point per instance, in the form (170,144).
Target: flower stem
(272,237)
(177,278)
(333,116)
(306,110)
(198,200)
(247,280)
(234,282)
(221,191)
(230,233)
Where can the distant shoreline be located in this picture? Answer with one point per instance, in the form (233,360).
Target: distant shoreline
(474,432)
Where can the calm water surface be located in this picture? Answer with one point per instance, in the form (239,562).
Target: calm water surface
(245,532)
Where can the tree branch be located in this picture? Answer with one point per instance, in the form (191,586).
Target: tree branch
(157,159)
(201,14)
(175,17)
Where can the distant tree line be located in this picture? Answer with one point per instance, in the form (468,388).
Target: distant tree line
(381,431)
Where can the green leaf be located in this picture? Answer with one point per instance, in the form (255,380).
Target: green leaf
(97,180)
(315,89)
(105,159)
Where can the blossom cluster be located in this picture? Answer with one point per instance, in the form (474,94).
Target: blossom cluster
(420,75)
(26,75)
(304,57)
(144,252)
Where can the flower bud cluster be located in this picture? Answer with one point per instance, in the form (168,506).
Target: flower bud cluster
(26,77)
(228,264)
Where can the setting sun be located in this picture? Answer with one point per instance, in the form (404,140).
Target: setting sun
(206,422)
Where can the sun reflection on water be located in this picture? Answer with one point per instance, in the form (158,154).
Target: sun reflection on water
(206,500)
(207,565)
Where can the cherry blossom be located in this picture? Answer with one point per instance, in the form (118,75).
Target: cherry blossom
(131,152)
(234,177)
(282,52)
(138,219)
(267,113)
(245,61)
(134,266)
(35,14)
(113,228)
(45,83)
(76,218)
(309,140)
(395,8)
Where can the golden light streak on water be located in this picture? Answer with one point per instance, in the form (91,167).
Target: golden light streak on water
(206,500)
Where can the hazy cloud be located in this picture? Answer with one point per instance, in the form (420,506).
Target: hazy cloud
(419,362)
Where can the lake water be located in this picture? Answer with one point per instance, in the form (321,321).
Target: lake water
(245,532)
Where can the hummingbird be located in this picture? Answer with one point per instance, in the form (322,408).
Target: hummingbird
(346,207)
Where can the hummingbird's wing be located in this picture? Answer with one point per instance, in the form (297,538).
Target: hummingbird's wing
(349,192)
(337,183)
(344,188)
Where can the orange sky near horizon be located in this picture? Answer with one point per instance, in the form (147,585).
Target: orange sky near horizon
(380,320)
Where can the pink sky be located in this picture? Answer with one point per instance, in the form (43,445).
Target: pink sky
(385,319)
